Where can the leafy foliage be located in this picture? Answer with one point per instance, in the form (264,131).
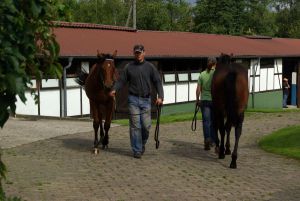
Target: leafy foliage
(234,17)
(279,18)
(162,15)
(288,18)
(27,48)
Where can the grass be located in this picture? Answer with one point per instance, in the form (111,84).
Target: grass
(189,116)
(270,110)
(165,119)
(285,142)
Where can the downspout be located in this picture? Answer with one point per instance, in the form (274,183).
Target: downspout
(64,85)
(254,69)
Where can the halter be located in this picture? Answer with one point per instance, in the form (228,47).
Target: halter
(108,59)
(101,76)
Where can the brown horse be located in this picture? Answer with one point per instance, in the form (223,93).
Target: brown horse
(230,97)
(98,84)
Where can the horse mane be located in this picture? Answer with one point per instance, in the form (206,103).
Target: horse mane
(82,75)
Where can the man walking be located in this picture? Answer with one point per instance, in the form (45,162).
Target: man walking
(205,102)
(139,75)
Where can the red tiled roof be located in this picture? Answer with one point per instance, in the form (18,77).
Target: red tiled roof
(83,40)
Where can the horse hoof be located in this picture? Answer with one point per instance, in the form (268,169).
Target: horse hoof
(217,150)
(233,165)
(104,147)
(227,152)
(221,156)
(95,151)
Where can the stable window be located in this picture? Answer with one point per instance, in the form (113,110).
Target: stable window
(194,77)
(183,77)
(169,78)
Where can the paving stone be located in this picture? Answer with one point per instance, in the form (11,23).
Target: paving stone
(53,161)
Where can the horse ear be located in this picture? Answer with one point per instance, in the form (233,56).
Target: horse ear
(100,55)
(115,53)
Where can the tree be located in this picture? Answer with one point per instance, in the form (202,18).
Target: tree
(260,20)
(288,18)
(234,17)
(219,16)
(152,15)
(27,49)
(164,15)
(180,15)
(112,12)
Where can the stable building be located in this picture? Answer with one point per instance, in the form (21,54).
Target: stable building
(179,56)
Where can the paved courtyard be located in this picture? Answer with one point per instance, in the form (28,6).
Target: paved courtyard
(50,160)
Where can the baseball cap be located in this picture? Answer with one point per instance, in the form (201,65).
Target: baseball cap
(138,48)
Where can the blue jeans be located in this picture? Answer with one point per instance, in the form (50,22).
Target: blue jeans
(285,97)
(140,121)
(207,120)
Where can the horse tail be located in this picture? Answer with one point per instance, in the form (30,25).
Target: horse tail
(231,99)
(82,75)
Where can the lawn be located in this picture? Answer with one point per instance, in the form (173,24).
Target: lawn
(285,142)
(189,116)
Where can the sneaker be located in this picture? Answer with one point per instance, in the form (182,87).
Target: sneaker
(143,149)
(206,145)
(137,155)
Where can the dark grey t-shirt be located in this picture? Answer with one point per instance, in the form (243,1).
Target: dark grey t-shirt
(139,77)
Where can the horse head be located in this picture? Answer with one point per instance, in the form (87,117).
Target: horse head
(225,58)
(107,72)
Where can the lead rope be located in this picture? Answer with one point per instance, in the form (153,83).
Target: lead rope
(158,109)
(194,121)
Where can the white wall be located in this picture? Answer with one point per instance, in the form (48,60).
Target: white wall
(27,108)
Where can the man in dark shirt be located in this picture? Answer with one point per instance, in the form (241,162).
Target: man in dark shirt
(139,75)
(286,91)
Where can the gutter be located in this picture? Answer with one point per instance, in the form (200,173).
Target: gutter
(64,85)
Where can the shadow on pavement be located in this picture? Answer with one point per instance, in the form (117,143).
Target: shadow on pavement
(193,151)
(78,144)
(86,145)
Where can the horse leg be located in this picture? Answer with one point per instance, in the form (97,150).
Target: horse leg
(108,117)
(216,130)
(96,127)
(222,133)
(238,132)
(227,145)
(101,125)
(101,131)
(106,137)
(96,124)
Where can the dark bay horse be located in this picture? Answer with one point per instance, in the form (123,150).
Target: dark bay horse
(98,84)
(230,97)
